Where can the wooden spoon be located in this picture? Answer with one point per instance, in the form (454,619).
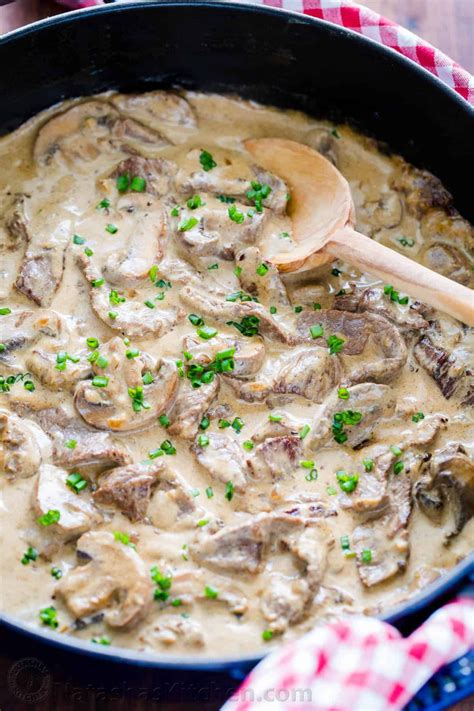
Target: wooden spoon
(323,217)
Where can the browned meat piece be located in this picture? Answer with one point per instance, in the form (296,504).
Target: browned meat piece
(157,108)
(424,432)
(268,288)
(132,317)
(212,304)
(276,458)
(308,372)
(371,493)
(90,448)
(386,212)
(173,505)
(449,261)
(387,537)
(119,400)
(406,318)
(224,459)
(16,223)
(129,488)
(373,402)
(23,446)
(190,406)
(215,234)
(421,189)
(77,513)
(359,332)
(41,270)
(114,581)
(440,364)
(249,355)
(446,492)
(157,172)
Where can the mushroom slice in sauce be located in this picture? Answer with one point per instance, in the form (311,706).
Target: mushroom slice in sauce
(77,514)
(113,580)
(157,108)
(446,492)
(248,357)
(23,446)
(117,398)
(129,316)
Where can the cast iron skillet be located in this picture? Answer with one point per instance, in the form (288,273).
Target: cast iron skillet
(274,57)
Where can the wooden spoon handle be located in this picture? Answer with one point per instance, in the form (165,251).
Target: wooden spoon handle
(406,275)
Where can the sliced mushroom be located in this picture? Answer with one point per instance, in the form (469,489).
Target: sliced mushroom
(77,513)
(117,399)
(446,492)
(190,587)
(420,189)
(24,327)
(23,446)
(131,317)
(114,580)
(157,173)
(249,353)
(449,261)
(170,629)
(129,488)
(387,212)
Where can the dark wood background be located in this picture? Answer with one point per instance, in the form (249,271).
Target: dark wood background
(34,676)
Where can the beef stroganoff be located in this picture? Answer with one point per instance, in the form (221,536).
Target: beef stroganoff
(199,455)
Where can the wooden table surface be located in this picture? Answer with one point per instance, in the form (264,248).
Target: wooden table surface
(36,676)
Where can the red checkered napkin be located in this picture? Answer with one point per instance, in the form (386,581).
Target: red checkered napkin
(359,663)
(370,24)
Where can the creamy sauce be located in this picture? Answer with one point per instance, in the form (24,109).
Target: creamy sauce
(54,178)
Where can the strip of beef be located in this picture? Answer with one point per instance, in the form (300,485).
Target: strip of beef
(268,287)
(172,504)
(212,304)
(224,459)
(120,400)
(41,270)
(215,234)
(129,488)
(133,318)
(157,173)
(374,403)
(386,212)
(77,512)
(361,333)
(449,261)
(222,180)
(74,445)
(420,189)
(276,458)
(170,629)
(386,537)
(308,372)
(23,446)
(248,358)
(190,406)
(157,108)
(114,580)
(444,368)
(445,492)
(425,432)
(406,318)
(13,240)
(371,495)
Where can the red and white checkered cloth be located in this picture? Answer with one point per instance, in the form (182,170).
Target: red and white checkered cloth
(359,663)
(370,24)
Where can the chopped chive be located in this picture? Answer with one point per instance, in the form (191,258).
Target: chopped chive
(267,635)
(77,239)
(343,394)
(273,309)
(132,353)
(418,416)
(235,215)
(76,482)
(49,518)
(104,204)
(398,467)
(123,182)
(211,592)
(154,453)
(316,331)
(248,445)
(100,381)
(275,418)
(304,431)
(262,269)
(31,554)
(150,304)
(311,475)
(316,306)
(4,311)
(347,482)
(195,320)
(56,572)
(335,344)
(111,229)
(368,464)
(395,449)
(194,202)
(92,342)
(186,225)
(203,522)
(203,440)
(49,616)
(238,271)
(138,185)
(366,555)
(206,332)
(70,443)
(306,463)
(204,424)
(97,282)
(113,315)
(88,252)
(29,385)
(164,420)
